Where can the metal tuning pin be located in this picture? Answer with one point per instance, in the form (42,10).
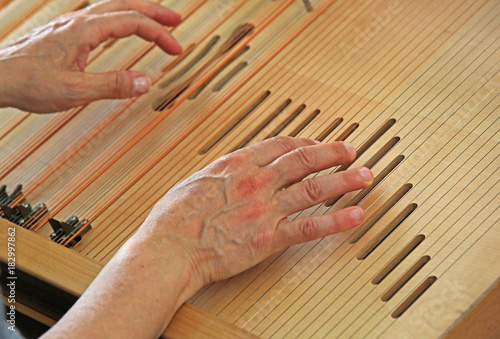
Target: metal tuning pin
(23,214)
(66,230)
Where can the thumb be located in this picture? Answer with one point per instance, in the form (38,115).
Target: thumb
(114,85)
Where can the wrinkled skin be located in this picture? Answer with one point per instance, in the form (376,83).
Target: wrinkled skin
(45,69)
(233,214)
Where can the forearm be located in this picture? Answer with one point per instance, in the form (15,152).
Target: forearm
(134,296)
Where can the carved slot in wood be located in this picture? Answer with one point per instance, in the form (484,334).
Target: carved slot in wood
(234,39)
(195,94)
(263,124)
(381,152)
(304,123)
(368,143)
(382,235)
(414,296)
(238,34)
(235,123)
(287,121)
(377,180)
(405,277)
(186,53)
(349,130)
(379,213)
(335,123)
(231,74)
(202,54)
(398,258)
(369,164)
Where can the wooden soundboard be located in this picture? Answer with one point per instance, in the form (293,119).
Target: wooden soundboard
(414,85)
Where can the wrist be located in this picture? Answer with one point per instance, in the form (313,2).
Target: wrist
(167,261)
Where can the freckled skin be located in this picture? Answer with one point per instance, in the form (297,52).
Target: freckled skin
(234,203)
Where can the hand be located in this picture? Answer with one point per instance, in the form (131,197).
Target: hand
(43,71)
(233,214)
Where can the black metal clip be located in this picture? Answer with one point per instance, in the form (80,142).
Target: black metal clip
(23,214)
(67,229)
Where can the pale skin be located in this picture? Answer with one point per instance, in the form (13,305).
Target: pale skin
(219,222)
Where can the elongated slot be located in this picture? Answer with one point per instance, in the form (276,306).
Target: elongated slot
(231,74)
(377,240)
(168,99)
(398,258)
(379,213)
(187,52)
(238,34)
(200,89)
(287,121)
(235,123)
(414,296)
(377,180)
(203,53)
(371,140)
(335,123)
(263,124)
(304,123)
(347,132)
(405,277)
(381,152)
(369,164)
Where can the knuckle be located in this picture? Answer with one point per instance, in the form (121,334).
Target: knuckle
(118,88)
(262,240)
(284,142)
(305,159)
(313,190)
(308,229)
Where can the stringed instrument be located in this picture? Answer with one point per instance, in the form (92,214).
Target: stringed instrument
(413,85)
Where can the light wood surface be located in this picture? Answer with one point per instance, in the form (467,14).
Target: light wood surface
(413,85)
(72,273)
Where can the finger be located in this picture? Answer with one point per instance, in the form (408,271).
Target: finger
(289,233)
(296,165)
(312,191)
(267,151)
(112,85)
(124,24)
(150,9)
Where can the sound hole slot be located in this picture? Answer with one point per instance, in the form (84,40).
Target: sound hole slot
(187,51)
(231,74)
(330,129)
(382,152)
(263,124)
(235,123)
(405,277)
(377,240)
(377,180)
(391,265)
(203,53)
(379,213)
(347,132)
(369,164)
(195,94)
(414,296)
(287,121)
(305,123)
(371,140)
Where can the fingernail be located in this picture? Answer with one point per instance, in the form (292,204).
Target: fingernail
(357,214)
(365,174)
(317,142)
(350,149)
(141,85)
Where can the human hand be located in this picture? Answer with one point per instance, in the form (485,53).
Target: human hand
(43,71)
(233,214)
